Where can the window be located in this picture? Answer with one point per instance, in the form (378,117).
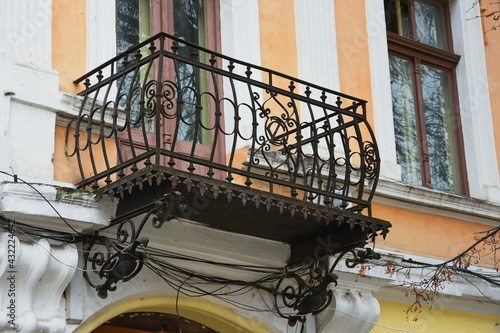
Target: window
(191,20)
(133,23)
(186,125)
(429,144)
(133,26)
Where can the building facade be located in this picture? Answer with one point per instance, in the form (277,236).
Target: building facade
(200,166)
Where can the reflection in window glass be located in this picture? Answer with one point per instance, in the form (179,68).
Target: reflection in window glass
(405,126)
(397,17)
(189,24)
(440,129)
(133,23)
(430,25)
(133,26)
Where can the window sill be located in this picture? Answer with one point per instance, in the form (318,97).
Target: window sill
(418,198)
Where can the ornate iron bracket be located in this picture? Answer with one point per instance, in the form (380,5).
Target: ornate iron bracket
(118,259)
(296,295)
(304,296)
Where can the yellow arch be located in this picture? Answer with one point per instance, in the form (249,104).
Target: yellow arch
(211,314)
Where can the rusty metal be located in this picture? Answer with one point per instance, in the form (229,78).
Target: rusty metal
(297,139)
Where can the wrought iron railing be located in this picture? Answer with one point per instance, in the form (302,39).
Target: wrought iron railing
(175,106)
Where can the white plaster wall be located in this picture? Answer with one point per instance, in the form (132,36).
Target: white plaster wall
(475,107)
(35,280)
(101,32)
(31,133)
(28,85)
(381,88)
(240,39)
(317,43)
(26,31)
(240,32)
(4,100)
(82,210)
(317,56)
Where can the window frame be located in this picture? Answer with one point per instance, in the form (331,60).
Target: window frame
(162,20)
(418,53)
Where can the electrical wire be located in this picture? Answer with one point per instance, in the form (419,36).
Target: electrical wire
(44,198)
(177,305)
(173,271)
(479,290)
(41,232)
(177,277)
(173,255)
(190,283)
(191,290)
(46,250)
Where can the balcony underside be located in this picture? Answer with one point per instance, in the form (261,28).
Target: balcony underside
(310,230)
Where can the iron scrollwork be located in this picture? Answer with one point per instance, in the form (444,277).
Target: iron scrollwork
(298,294)
(119,259)
(121,266)
(304,296)
(314,141)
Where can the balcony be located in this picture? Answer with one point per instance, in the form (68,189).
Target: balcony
(249,150)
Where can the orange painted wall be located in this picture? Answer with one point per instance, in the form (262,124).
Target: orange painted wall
(278,48)
(492,51)
(425,234)
(66,168)
(354,58)
(69,59)
(69,42)
(353,53)
(278,40)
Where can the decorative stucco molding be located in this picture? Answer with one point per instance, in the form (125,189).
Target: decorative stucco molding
(353,309)
(32,282)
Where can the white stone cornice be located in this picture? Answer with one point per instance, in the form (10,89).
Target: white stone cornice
(69,108)
(81,209)
(421,199)
(32,284)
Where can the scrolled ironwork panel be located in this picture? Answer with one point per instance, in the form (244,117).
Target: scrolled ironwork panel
(156,105)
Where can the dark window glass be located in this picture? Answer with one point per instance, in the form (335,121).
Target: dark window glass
(189,24)
(133,25)
(397,17)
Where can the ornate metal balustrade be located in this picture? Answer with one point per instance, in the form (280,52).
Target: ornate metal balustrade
(167,108)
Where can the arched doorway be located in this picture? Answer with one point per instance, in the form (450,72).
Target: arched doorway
(144,322)
(212,315)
